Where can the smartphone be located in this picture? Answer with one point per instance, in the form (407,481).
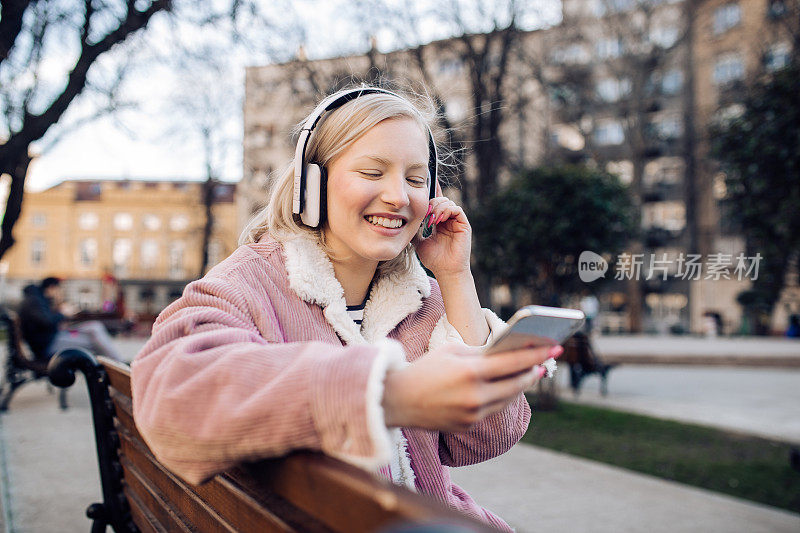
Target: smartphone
(536,325)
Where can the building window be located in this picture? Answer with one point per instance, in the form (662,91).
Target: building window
(664,36)
(609,132)
(573,54)
(612,89)
(667,215)
(728,68)
(151,222)
(87,252)
(149,253)
(777,57)
(608,48)
(623,169)
(455,110)
(669,127)
(261,135)
(672,82)
(727,17)
(664,170)
(121,256)
(604,7)
(39,220)
(176,250)
(37,252)
(776,9)
(214,252)
(88,221)
(178,222)
(123,221)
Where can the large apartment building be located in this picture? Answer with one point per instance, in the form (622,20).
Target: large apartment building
(628,85)
(146,236)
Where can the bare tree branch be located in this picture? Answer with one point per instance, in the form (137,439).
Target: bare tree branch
(11,12)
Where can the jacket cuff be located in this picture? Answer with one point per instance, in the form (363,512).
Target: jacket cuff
(390,356)
(444,332)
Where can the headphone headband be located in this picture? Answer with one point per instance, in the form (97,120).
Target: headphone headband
(330,103)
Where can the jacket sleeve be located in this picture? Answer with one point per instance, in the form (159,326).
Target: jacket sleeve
(38,316)
(495,434)
(211,390)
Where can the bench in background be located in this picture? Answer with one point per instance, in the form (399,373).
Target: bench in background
(21,364)
(304,491)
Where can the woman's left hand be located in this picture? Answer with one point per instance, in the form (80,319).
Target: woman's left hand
(447,251)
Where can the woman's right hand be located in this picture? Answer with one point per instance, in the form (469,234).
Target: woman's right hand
(454,387)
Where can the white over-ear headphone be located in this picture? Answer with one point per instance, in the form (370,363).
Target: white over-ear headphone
(309,179)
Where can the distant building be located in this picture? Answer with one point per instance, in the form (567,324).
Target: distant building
(147,235)
(630,86)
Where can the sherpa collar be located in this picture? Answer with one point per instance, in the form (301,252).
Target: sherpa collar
(391,299)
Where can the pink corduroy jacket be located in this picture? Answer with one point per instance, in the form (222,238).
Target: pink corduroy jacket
(260,358)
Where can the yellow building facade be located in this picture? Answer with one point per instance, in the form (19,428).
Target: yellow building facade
(146,234)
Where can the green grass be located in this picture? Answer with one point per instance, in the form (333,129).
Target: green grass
(746,467)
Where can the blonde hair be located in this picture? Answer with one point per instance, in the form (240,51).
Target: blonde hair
(335,132)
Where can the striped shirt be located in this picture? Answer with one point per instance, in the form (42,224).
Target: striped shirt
(356,312)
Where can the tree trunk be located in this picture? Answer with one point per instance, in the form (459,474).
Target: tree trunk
(14,158)
(17,168)
(208,201)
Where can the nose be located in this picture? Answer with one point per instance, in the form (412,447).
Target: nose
(394,191)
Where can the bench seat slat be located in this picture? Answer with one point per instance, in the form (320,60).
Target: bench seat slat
(165,516)
(124,414)
(119,375)
(216,501)
(343,496)
(142,517)
(190,508)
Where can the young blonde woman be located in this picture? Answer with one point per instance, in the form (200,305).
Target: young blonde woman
(330,336)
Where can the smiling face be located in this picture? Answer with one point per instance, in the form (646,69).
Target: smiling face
(377,193)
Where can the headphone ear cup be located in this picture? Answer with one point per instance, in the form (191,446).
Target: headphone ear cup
(323,195)
(311,210)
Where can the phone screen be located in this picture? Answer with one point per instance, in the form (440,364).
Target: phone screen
(538,326)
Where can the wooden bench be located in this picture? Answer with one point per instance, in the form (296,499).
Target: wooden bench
(304,491)
(21,364)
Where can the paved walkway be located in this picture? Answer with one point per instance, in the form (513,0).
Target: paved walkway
(51,470)
(751,400)
(667,344)
(538,490)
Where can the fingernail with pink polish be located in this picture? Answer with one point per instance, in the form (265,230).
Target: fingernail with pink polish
(430,208)
(555,351)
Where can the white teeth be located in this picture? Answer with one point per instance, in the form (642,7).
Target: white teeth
(385,222)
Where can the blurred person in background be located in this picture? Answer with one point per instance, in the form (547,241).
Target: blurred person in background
(794,326)
(329,336)
(43,316)
(590,306)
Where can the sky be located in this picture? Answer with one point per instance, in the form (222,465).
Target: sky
(150,141)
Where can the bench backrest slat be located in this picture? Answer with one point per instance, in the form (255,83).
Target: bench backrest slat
(302,492)
(230,510)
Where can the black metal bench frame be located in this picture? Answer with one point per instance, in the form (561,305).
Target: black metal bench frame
(114,511)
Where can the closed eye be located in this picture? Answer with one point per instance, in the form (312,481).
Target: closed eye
(417,181)
(370,174)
